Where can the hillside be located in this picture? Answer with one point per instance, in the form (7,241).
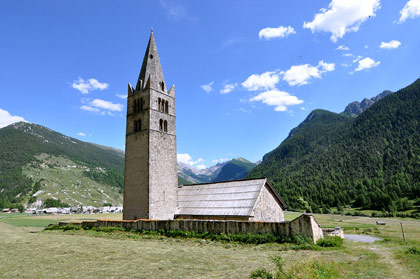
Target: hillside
(332,159)
(37,163)
(235,169)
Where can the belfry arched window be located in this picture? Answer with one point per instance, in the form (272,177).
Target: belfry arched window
(162,85)
(159,103)
(137,125)
(161,125)
(135,106)
(165,126)
(141,104)
(166,106)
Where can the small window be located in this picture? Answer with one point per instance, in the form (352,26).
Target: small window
(159,102)
(135,106)
(161,125)
(151,56)
(166,106)
(141,104)
(165,126)
(139,125)
(162,85)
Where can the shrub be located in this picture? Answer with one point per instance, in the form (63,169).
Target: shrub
(261,273)
(414,250)
(330,241)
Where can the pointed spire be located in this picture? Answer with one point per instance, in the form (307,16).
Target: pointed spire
(172,90)
(130,89)
(147,86)
(151,71)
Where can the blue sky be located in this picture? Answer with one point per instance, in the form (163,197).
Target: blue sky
(245,72)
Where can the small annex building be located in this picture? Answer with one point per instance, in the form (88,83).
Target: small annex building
(240,200)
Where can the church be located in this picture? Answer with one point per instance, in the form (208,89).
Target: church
(151,188)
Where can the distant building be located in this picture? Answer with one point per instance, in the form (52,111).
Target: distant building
(150,176)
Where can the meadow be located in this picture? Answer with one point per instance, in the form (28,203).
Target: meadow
(29,251)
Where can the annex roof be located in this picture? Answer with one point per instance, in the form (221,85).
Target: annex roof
(228,198)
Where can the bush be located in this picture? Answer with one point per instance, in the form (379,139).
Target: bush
(330,241)
(414,250)
(261,273)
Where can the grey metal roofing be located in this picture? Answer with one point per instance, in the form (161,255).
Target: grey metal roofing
(228,198)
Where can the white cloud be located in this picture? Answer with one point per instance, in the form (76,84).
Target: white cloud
(390,45)
(187,159)
(342,47)
(279,32)
(227,88)
(357,59)
(267,80)
(85,86)
(6,118)
(183,158)
(103,107)
(207,87)
(367,63)
(221,160)
(302,74)
(411,9)
(200,167)
(280,99)
(81,134)
(326,67)
(89,108)
(343,16)
(121,96)
(102,104)
(347,54)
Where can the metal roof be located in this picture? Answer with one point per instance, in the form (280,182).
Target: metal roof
(228,198)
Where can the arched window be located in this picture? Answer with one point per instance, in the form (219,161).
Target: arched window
(141,104)
(165,126)
(159,101)
(139,125)
(161,125)
(166,106)
(162,85)
(135,106)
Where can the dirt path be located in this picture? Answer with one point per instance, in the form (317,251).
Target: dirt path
(396,269)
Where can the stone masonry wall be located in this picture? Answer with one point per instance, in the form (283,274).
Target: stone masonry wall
(304,225)
(267,208)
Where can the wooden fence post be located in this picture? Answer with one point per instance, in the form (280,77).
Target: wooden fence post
(402,230)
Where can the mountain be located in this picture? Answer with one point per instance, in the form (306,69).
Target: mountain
(192,175)
(235,169)
(356,108)
(37,164)
(371,160)
(229,170)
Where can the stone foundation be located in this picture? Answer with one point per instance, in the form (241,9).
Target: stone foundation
(304,225)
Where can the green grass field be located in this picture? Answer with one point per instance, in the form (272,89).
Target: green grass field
(27,251)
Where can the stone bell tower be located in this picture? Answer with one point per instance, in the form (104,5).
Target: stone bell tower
(150,175)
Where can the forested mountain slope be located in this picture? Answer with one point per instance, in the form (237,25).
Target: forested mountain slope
(235,169)
(24,146)
(372,160)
